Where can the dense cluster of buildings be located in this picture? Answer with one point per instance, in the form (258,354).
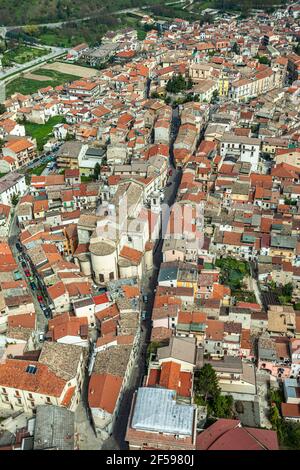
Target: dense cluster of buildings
(73,287)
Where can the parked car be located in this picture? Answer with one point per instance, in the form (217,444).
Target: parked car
(145,298)
(18,246)
(24,264)
(144,315)
(27,272)
(33,285)
(40,298)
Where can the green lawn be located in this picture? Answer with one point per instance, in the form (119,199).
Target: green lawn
(87,179)
(42,132)
(22,54)
(27,86)
(38,170)
(57,76)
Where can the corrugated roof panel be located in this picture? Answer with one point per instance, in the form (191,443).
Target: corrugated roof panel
(156,410)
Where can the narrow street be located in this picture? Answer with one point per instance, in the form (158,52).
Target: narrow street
(13,235)
(117,441)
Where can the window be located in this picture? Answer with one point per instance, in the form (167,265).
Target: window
(30,396)
(111,276)
(48,400)
(101,278)
(3,390)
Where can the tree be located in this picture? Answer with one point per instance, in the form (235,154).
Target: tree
(69,137)
(222,406)
(31,29)
(214,97)
(263,59)
(15,199)
(206,383)
(235,48)
(97,171)
(176,84)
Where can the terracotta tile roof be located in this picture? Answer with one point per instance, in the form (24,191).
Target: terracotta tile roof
(104,391)
(57,290)
(220,291)
(13,374)
(112,311)
(169,376)
(290,410)
(108,326)
(215,330)
(161,333)
(131,291)
(68,397)
(66,325)
(101,299)
(26,320)
(131,255)
(225,434)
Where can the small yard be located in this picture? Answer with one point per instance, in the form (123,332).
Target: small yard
(42,132)
(22,54)
(38,170)
(233,272)
(244,296)
(87,179)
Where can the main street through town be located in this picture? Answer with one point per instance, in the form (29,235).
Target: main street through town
(117,440)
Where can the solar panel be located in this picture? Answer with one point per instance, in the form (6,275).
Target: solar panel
(31,369)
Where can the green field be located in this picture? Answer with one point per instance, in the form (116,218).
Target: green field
(58,77)
(38,170)
(27,86)
(42,132)
(22,54)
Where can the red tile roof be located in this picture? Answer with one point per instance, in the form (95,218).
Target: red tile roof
(103,391)
(226,434)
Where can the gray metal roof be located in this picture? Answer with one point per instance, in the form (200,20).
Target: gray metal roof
(156,410)
(168,273)
(54,428)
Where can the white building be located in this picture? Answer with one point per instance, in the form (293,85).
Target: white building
(246,149)
(10,185)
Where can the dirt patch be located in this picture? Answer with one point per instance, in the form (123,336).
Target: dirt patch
(39,78)
(84,72)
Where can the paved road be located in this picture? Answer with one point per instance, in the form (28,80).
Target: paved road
(14,232)
(116,441)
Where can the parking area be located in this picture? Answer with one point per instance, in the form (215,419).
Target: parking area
(40,303)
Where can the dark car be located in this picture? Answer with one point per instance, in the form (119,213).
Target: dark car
(18,246)
(169,184)
(33,285)
(24,265)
